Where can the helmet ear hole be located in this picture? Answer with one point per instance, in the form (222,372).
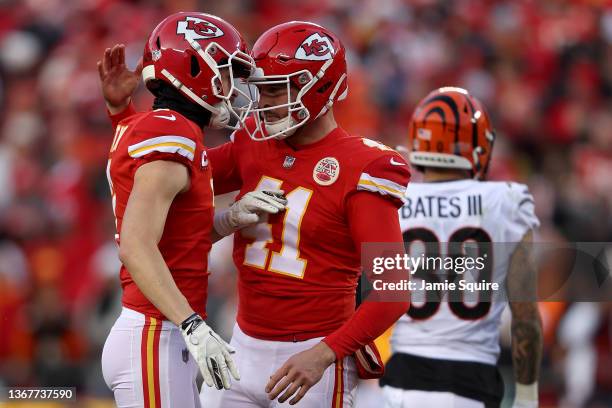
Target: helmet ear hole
(158,43)
(195,66)
(324,87)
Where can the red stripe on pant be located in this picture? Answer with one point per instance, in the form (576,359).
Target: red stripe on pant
(143,361)
(156,362)
(338,393)
(149,362)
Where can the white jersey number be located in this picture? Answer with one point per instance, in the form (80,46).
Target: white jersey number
(287,261)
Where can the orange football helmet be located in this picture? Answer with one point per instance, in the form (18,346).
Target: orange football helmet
(451,129)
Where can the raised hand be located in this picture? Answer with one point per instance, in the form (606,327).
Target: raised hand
(118,82)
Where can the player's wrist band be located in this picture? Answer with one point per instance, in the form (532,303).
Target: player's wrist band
(526,392)
(189,324)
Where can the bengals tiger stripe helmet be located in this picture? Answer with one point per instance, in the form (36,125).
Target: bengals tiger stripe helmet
(451,129)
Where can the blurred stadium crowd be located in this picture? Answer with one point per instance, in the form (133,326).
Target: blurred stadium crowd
(543,68)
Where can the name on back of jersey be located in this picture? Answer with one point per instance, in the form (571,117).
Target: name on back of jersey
(431,206)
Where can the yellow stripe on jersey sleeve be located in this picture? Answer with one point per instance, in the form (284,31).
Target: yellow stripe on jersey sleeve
(381,186)
(165,144)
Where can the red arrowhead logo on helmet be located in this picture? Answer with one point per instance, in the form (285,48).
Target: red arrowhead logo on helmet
(302,55)
(198,29)
(316,47)
(189,51)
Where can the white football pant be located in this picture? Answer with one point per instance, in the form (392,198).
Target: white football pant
(258,359)
(146,364)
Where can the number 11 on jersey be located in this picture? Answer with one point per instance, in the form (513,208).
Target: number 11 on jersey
(287,261)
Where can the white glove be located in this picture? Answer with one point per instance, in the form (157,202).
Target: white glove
(212,354)
(249,210)
(526,396)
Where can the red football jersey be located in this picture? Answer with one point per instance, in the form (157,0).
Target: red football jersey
(298,273)
(167,135)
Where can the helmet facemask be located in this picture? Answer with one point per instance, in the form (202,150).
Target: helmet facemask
(236,67)
(481,171)
(309,62)
(297,113)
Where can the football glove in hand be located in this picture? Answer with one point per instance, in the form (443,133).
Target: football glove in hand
(249,210)
(210,351)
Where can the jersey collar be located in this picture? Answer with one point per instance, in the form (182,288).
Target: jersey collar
(331,137)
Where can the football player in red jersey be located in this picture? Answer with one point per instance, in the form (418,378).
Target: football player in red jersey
(298,273)
(297,328)
(162,198)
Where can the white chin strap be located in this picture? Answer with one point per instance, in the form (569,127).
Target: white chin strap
(281,128)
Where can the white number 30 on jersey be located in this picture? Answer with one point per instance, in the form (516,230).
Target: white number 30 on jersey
(287,261)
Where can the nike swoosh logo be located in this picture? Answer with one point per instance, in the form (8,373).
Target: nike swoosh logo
(393,162)
(171,117)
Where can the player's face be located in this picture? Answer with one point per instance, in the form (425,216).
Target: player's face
(275,95)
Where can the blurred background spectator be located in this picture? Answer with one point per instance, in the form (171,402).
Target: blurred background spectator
(543,69)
